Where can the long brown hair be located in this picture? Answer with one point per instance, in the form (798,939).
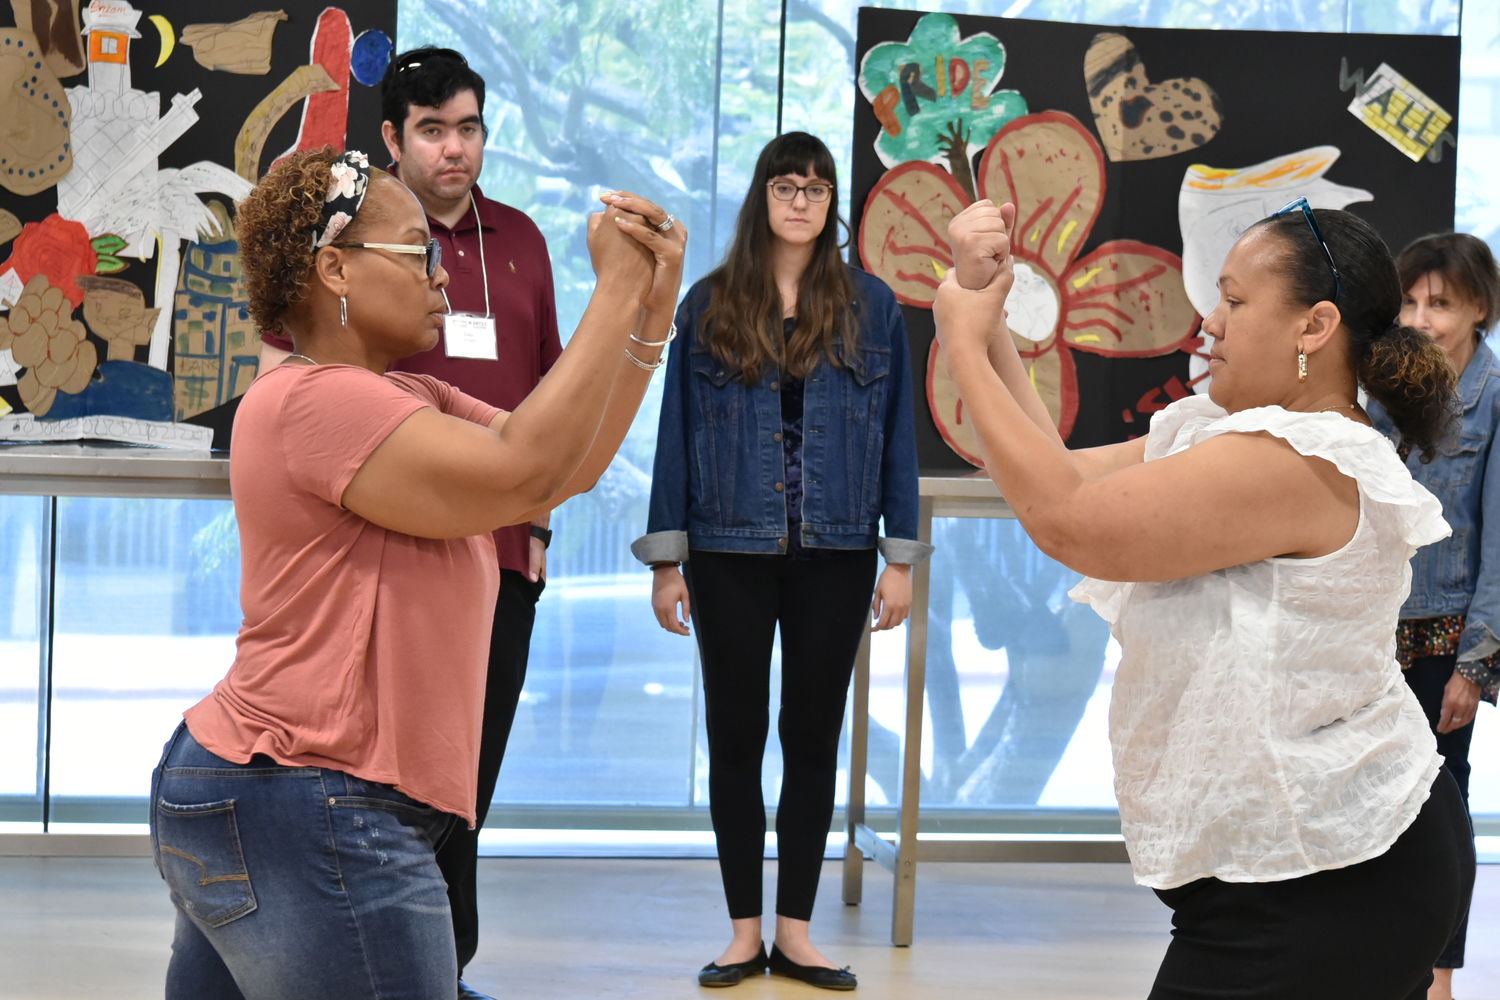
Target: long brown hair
(742,326)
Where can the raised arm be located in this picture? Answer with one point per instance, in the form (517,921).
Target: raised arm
(979,236)
(440,477)
(1234,499)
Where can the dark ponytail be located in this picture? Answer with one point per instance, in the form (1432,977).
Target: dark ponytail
(1407,373)
(1402,369)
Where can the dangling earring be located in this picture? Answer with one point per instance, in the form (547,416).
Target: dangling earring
(344,321)
(1301,365)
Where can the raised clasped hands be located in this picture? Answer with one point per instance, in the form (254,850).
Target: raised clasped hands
(970,303)
(641,220)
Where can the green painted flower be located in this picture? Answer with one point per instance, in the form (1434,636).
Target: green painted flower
(935,96)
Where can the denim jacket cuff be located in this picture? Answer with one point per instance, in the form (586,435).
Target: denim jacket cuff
(903,551)
(661,546)
(1477,642)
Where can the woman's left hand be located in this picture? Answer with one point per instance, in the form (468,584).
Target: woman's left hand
(1460,702)
(892,597)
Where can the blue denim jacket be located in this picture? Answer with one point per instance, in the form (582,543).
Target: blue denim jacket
(1461,574)
(719,474)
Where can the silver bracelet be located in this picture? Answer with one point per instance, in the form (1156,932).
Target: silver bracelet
(644,365)
(671,336)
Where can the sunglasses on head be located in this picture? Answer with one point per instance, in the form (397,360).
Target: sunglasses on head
(1302,205)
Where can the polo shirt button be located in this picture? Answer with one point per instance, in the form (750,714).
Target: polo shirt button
(460,253)
(781,487)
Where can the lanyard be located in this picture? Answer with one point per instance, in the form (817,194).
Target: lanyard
(484,273)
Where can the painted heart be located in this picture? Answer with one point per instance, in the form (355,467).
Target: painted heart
(1140,120)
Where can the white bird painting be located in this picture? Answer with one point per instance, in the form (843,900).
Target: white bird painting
(1216,204)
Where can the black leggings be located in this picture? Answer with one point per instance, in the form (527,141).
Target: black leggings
(1370,930)
(1427,678)
(822,606)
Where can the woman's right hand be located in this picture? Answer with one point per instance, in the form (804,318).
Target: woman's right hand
(668,591)
(619,259)
(667,248)
(980,239)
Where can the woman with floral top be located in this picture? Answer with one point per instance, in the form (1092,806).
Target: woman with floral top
(1448,638)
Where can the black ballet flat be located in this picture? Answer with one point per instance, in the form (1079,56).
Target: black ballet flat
(814,975)
(714,974)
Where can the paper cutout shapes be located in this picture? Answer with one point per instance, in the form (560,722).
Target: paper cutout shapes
(168,36)
(53,24)
(115,311)
(4,407)
(371,56)
(107,246)
(119,133)
(50,344)
(1123,300)
(10,226)
(57,248)
(118,389)
(158,434)
(10,290)
(243,46)
(250,143)
(217,343)
(935,96)
(35,148)
(1139,120)
(1393,107)
(325,116)
(1216,204)
(903,235)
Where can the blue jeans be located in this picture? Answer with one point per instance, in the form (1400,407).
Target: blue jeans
(298,882)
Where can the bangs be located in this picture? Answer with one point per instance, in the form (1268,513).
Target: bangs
(800,153)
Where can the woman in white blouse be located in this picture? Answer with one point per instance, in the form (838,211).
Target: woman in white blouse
(1277,782)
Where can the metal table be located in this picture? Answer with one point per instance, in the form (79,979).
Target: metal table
(102,470)
(968,495)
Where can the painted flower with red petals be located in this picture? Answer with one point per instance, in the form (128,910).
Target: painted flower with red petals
(1125,299)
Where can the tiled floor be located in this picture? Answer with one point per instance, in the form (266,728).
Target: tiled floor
(569,929)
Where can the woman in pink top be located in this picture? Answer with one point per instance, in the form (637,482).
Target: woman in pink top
(296,812)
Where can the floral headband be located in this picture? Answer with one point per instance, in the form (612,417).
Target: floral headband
(349,179)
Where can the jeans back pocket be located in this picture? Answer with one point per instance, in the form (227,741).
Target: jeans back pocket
(198,851)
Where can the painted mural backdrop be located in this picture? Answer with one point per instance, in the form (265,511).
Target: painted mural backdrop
(128,134)
(1135,158)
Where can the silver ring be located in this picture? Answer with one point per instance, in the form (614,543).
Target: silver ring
(665,224)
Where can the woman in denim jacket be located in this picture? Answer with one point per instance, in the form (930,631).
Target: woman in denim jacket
(1448,638)
(785,437)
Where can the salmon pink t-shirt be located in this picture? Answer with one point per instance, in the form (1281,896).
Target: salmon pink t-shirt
(362,649)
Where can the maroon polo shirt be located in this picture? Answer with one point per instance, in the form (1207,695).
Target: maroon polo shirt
(521,300)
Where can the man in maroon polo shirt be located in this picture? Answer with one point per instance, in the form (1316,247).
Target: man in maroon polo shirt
(498,342)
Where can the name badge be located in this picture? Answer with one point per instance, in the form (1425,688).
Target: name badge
(466,335)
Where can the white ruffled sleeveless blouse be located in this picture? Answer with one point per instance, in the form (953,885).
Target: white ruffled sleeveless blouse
(1260,726)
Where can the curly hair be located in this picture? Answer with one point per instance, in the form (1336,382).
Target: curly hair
(274,226)
(1402,369)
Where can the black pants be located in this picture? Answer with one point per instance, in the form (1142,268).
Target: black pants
(1370,931)
(510,641)
(822,606)
(1427,678)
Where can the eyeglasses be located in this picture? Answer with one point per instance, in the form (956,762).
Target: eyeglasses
(1312,223)
(816,192)
(433,250)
